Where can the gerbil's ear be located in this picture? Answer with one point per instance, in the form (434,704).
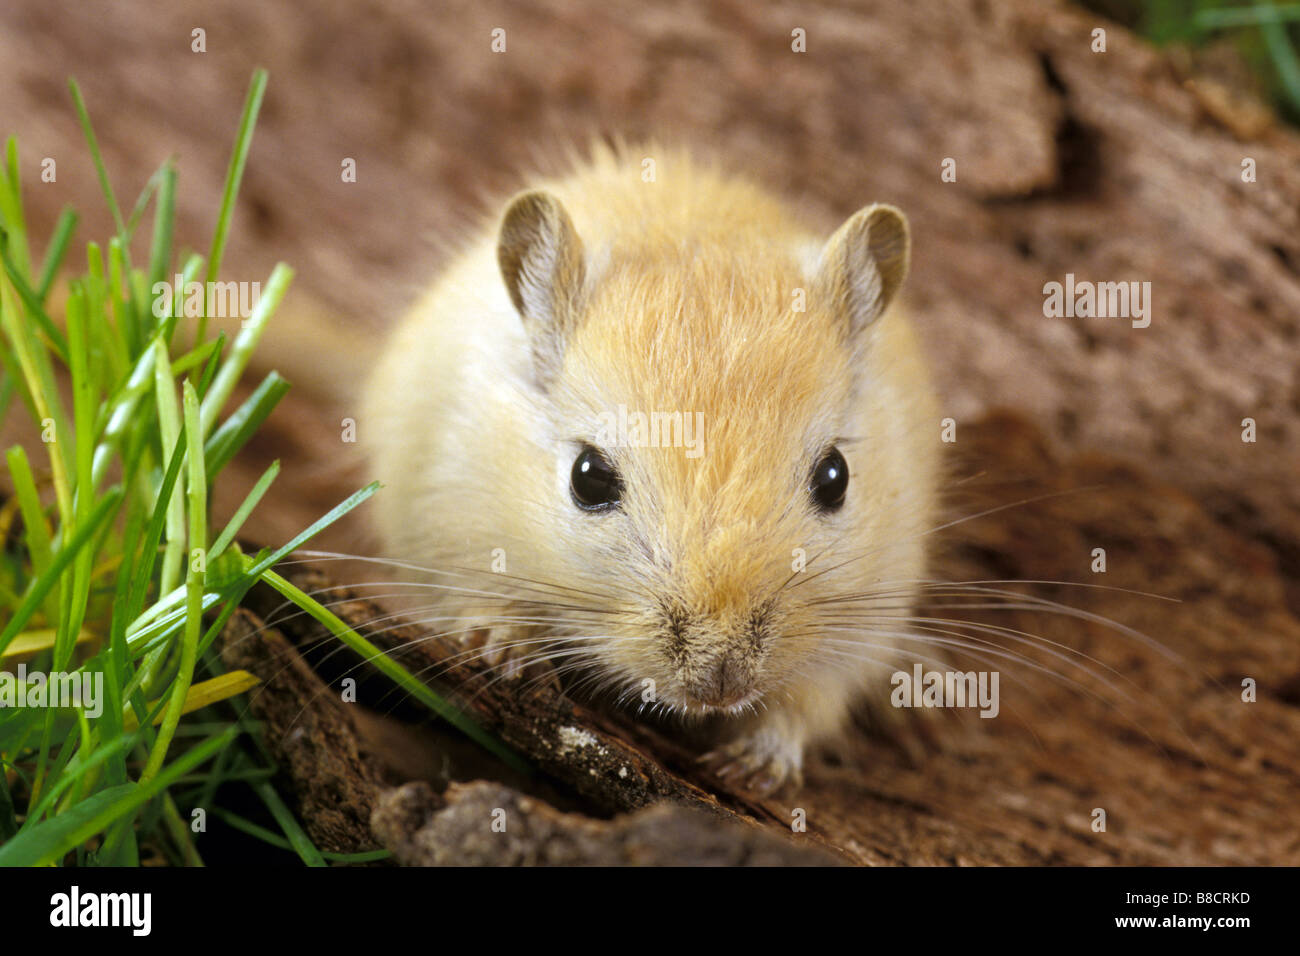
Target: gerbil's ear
(541,261)
(864,263)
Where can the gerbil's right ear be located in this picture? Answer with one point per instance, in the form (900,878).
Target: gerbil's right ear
(863,264)
(541,261)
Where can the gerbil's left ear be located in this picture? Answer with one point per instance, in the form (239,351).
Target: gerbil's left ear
(864,263)
(541,262)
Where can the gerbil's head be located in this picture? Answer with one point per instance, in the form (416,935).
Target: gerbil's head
(720,456)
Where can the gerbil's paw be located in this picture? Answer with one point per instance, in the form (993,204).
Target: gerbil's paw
(762,762)
(512,653)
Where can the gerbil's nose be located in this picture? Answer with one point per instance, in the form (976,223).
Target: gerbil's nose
(725,684)
(718,658)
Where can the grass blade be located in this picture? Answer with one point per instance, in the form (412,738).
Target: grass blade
(234,175)
(62,559)
(244,422)
(50,840)
(96,156)
(54,256)
(198,529)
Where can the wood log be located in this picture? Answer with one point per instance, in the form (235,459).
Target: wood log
(427,831)
(339,766)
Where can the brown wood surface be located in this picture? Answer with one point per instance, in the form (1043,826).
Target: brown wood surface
(1109,166)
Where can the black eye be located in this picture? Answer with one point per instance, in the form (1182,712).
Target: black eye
(594,483)
(830,479)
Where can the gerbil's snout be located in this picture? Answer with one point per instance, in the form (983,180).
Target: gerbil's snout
(718,658)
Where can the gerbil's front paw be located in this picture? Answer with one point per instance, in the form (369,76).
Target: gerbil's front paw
(761,762)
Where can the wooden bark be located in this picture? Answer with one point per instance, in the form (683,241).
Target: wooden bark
(339,773)
(1109,166)
(426,831)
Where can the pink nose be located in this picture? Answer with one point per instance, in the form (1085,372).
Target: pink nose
(727,683)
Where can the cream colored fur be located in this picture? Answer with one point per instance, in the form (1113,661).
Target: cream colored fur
(679,298)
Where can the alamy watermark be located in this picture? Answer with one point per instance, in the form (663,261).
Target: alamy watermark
(214,299)
(133,911)
(79,689)
(923,688)
(634,429)
(1102,300)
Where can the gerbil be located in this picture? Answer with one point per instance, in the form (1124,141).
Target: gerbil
(707,580)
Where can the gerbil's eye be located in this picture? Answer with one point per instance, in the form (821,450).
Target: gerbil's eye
(594,483)
(830,479)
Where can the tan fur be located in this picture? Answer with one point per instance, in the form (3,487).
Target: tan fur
(674,295)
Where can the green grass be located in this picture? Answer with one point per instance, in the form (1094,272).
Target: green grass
(110,564)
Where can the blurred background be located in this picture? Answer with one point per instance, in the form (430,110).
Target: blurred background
(1122,165)
(1251,47)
